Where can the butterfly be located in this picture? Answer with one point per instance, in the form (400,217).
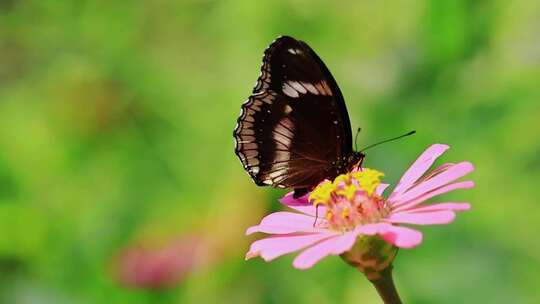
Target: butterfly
(294,129)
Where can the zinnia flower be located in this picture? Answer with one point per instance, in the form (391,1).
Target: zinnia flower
(336,214)
(152,266)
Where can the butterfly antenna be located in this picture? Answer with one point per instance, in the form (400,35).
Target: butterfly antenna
(387,140)
(355,139)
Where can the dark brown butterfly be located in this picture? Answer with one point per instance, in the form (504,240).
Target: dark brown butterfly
(294,130)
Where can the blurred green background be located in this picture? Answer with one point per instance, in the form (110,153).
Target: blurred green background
(116,123)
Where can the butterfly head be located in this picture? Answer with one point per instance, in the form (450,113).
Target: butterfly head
(356,159)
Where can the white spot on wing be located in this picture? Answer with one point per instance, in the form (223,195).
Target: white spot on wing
(288,109)
(297,86)
(294,51)
(277,173)
(310,88)
(289,91)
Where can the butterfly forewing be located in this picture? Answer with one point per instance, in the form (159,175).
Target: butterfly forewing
(294,131)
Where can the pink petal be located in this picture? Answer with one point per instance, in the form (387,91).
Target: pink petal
(423,218)
(451,174)
(398,236)
(403,237)
(275,246)
(418,168)
(380,188)
(402,206)
(440,206)
(333,246)
(288,200)
(302,204)
(436,171)
(286,222)
(372,229)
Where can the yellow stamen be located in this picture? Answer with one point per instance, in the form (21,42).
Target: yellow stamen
(350,199)
(344,186)
(368,179)
(329,215)
(321,194)
(343,178)
(348,191)
(345,213)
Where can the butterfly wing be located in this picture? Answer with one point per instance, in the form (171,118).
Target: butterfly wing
(294,130)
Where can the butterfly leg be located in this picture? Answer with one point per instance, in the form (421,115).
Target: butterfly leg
(298,193)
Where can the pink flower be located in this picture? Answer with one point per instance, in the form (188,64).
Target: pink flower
(336,213)
(151,266)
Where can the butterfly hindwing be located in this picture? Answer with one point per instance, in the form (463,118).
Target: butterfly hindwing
(294,131)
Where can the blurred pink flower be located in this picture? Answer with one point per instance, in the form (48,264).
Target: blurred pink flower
(152,267)
(352,205)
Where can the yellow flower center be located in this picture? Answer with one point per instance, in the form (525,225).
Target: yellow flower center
(350,199)
(368,179)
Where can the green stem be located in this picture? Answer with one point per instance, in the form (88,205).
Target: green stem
(386,288)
